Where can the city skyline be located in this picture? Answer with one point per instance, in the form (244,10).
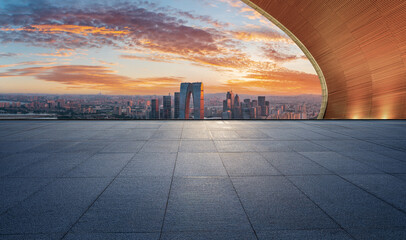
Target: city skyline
(120,48)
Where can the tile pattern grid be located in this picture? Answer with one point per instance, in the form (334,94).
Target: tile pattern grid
(202,180)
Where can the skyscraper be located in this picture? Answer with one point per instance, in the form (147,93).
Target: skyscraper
(177,101)
(154,109)
(230,96)
(236,107)
(186,90)
(167,110)
(261,103)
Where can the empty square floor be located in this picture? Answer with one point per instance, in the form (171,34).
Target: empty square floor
(203,180)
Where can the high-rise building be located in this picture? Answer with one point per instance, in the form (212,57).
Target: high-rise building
(237,107)
(186,90)
(167,110)
(261,103)
(154,109)
(117,110)
(247,102)
(177,101)
(230,96)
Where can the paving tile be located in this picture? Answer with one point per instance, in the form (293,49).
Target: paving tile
(323,234)
(18,161)
(128,205)
(150,164)
(163,146)
(387,187)
(88,146)
(54,165)
(167,134)
(209,235)
(201,146)
(32,236)
(235,146)
(41,213)
(339,164)
(191,133)
(219,134)
(292,163)
(124,147)
(398,155)
(15,190)
(115,236)
(101,165)
(137,134)
(274,203)
(247,164)
(378,234)
(204,204)
(378,161)
(199,164)
(350,206)
(18,146)
(350,145)
(401,176)
(251,134)
(391,143)
(52,147)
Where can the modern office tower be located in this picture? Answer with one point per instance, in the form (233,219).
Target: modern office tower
(225,107)
(253,113)
(267,108)
(247,102)
(254,103)
(261,103)
(117,110)
(167,110)
(177,101)
(259,111)
(186,90)
(230,96)
(237,107)
(154,109)
(237,101)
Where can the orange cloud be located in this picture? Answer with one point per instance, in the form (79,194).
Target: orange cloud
(27,64)
(261,36)
(282,82)
(65,28)
(98,78)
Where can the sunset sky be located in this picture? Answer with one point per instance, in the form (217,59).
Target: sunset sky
(146,47)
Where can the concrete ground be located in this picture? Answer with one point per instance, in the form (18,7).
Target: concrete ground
(203,180)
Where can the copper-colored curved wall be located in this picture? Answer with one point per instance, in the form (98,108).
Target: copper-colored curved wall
(360,46)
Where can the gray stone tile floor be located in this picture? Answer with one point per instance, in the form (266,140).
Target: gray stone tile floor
(203,180)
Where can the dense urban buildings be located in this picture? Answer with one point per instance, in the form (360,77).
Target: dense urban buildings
(149,107)
(209,106)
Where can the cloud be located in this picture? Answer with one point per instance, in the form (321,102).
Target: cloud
(261,36)
(27,64)
(249,12)
(123,25)
(59,53)
(147,32)
(278,53)
(282,81)
(9,54)
(97,78)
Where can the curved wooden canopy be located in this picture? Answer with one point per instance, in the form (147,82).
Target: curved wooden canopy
(359,47)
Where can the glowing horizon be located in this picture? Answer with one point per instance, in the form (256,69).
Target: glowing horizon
(147,48)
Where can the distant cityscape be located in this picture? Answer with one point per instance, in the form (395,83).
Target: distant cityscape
(216,106)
